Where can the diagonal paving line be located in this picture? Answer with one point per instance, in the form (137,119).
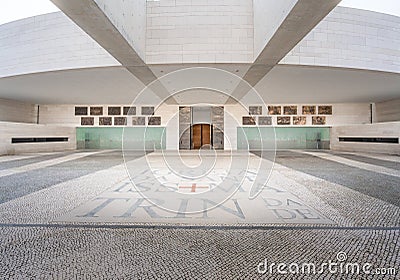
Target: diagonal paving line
(46,163)
(20,157)
(353,163)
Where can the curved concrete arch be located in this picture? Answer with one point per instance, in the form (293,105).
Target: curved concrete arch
(346,38)
(48,42)
(351,38)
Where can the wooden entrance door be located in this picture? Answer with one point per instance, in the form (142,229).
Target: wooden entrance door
(201,135)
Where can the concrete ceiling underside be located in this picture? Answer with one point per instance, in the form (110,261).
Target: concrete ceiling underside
(283,84)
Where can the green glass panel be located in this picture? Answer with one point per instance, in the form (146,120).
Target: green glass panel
(255,138)
(135,138)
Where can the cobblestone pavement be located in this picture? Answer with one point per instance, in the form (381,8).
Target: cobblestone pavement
(363,205)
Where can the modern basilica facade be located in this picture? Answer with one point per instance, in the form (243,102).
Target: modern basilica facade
(181,75)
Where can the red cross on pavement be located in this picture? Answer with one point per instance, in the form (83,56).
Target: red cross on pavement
(193,187)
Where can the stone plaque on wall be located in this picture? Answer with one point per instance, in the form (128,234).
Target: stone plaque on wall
(87,121)
(154,120)
(300,120)
(114,111)
(249,121)
(147,111)
(309,110)
(81,111)
(217,119)
(284,120)
(318,120)
(138,121)
(290,110)
(255,110)
(275,110)
(129,111)
(120,121)
(185,121)
(96,111)
(325,110)
(264,121)
(105,121)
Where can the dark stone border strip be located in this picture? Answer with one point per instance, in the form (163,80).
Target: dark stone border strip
(195,227)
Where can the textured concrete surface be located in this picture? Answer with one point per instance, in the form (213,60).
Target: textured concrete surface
(34,243)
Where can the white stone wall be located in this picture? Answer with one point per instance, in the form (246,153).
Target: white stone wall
(388,111)
(233,119)
(11,130)
(129,17)
(14,111)
(351,38)
(201,31)
(268,16)
(170,119)
(59,115)
(370,130)
(47,43)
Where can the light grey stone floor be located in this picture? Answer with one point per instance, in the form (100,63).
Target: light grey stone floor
(42,237)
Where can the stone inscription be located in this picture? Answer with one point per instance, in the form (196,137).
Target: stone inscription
(120,121)
(249,121)
(290,110)
(136,121)
(283,120)
(123,203)
(325,110)
(81,111)
(147,111)
(129,111)
(318,120)
(264,121)
(114,111)
(96,111)
(255,110)
(154,120)
(275,110)
(299,120)
(87,121)
(309,110)
(105,121)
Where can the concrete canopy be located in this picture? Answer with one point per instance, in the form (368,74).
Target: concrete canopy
(307,84)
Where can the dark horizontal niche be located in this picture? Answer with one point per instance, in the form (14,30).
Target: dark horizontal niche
(386,140)
(38,140)
(81,111)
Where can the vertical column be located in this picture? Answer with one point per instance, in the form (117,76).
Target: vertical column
(185,121)
(217,119)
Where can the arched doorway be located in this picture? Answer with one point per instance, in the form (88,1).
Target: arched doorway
(201,136)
